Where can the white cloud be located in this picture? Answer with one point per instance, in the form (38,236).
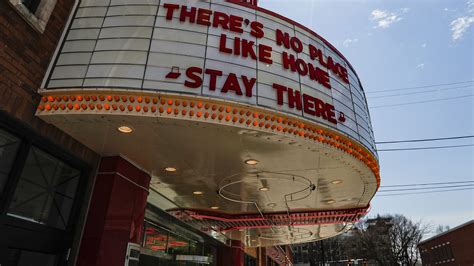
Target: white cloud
(348,42)
(405,9)
(460,25)
(378,14)
(423,45)
(470,6)
(385,19)
(421,65)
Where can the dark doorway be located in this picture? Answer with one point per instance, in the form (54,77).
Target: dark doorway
(40,192)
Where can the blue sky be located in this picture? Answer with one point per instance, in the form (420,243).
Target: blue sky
(399,44)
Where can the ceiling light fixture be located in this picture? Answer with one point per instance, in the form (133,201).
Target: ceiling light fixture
(251,162)
(331,201)
(214,207)
(198,192)
(264,189)
(125,129)
(336,182)
(170,169)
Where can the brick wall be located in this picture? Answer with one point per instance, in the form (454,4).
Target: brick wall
(461,243)
(24,58)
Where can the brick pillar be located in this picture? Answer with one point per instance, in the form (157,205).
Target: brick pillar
(116,213)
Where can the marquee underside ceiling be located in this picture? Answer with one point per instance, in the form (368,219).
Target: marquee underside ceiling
(293,175)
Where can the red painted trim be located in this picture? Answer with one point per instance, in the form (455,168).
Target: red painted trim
(271,13)
(245,215)
(217,218)
(222,219)
(255,220)
(270,226)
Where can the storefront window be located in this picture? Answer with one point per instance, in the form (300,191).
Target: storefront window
(163,247)
(196,248)
(249,261)
(178,245)
(46,190)
(156,239)
(8,148)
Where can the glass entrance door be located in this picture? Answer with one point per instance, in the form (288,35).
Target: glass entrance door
(38,201)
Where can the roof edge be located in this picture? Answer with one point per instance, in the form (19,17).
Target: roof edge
(446,232)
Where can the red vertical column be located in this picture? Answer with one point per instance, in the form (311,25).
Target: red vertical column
(262,257)
(237,253)
(116,213)
(231,256)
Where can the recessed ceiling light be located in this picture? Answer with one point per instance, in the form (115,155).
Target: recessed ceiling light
(336,182)
(215,207)
(264,189)
(271,205)
(331,201)
(198,192)
(170,169)
(350,199)
(251,162)
(125,129)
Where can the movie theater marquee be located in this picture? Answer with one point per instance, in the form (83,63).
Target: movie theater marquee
(213,49)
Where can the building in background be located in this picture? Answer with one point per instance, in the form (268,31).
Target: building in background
(174,132)
(452,247)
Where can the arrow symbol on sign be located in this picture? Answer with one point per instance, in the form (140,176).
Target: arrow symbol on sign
(174,73)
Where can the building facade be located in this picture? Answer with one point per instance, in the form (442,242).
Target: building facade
(169,132)
(37,224)
(453,247)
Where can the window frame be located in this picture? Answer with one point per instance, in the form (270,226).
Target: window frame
(28,139)
(3,191)
(40,18)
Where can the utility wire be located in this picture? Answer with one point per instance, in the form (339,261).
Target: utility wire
(421,87)
(427,101)
(422,140)
(427,148)
(426,192)
(425,188)
(420,92)
(429,184)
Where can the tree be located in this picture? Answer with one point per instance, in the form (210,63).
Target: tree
(441,228)
(384,240)
(371,241)
(405,235)
(387,240)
